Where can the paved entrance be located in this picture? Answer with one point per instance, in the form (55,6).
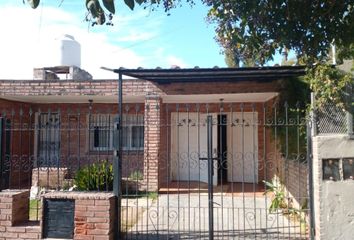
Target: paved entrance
(185,216)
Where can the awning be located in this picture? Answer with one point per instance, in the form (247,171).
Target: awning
(197,74)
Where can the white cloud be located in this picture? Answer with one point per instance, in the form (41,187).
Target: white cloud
(134,36)
(175,61)
(27,35)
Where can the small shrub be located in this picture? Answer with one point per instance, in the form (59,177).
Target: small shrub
(136,175)
(95,177)
(278,201)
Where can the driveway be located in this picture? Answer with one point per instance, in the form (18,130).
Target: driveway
(185,216)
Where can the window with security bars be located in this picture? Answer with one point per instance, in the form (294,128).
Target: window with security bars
(103,137)
(48,136)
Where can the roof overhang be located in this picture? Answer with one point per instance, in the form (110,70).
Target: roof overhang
(162,76)
(192,98)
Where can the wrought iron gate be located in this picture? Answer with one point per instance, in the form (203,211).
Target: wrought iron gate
(217,171)
(187,171)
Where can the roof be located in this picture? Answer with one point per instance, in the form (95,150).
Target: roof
(213,74)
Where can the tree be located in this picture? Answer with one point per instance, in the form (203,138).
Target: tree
(234,58)
(98,15)
(260,28)
(253,31)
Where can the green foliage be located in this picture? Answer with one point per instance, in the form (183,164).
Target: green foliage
(278,201)
(95,177)
(35,206)
(344,52)
(152,195)
(230,59)
(253,31)
(259,29)
(130,4)
(291,114)
(98,15)
(136,175)
(329,85)
(109,5)
(33,3)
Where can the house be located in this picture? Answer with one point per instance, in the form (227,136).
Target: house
(61,125)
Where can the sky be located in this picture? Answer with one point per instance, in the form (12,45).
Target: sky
(139,38)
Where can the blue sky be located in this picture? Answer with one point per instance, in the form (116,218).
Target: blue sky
(138,38)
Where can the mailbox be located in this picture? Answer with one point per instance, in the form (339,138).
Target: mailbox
(58,219)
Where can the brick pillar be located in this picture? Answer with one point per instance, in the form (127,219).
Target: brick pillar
(13,207)
(152,121)
(14,216)
(94,215)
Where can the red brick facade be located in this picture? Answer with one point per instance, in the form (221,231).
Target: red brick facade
(153,161)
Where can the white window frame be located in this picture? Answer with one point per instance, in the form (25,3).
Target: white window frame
(130,121)
(107,121)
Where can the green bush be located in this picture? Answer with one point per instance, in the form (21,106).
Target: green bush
(136,175)
(278,199)
(95,177)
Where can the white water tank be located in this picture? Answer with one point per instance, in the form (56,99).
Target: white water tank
(66,51)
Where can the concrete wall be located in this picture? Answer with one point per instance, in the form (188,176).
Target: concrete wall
(334,208)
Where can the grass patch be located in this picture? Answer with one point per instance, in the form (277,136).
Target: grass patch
(152,195)
(141,194)
(35,207)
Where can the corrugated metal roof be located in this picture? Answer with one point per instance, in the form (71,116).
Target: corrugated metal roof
(197,74)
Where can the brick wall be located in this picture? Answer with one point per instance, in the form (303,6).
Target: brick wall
(73,87)
(49,177)
(74,151)
(296,182)
(14,217)
(94,214)
(74,144)
(74,135)
(217,87)
(131,87)
(152,142)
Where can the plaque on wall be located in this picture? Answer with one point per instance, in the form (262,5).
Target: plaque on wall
(331,169)
(348,169)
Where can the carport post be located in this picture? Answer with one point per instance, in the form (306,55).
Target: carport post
(210,176)
(1,153)
(117,158)
(117,162)
(310,176)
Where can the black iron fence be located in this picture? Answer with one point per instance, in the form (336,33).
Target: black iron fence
(259,172)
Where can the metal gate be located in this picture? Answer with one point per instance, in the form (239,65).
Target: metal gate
(212,170)
(217,171)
